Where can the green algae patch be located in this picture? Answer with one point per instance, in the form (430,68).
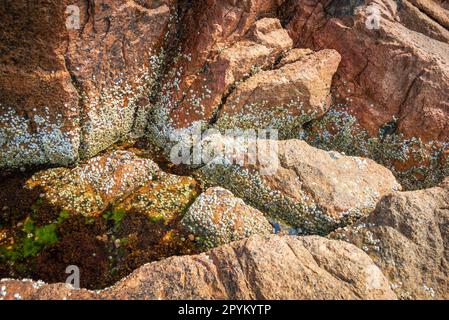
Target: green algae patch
(107,244)
(115,215)
(32,239)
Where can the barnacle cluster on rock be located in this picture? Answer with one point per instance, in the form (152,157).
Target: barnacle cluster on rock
(49,142)
(217,218)
(416,164)
(359,115)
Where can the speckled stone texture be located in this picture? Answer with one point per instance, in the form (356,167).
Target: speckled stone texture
(263,44)
(399,70)
(135,71)
(92,187)
(217,218)
(258,268)
(221,43)
(109,216)
(39,111)
(165,197)
(66,93)
(308,188)
(293,93)
(408,238)
(112,62)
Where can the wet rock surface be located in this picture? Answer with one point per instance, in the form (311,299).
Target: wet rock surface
(357,89)
(91,188)
(107,216)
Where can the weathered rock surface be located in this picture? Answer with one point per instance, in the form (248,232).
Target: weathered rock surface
(210,27)
(38,101)
(306,187)
(163,198)
(77,91)
(419,16)
(108,216)
(92,187)
(283,98)
(258,268)
(388,71)
(110,60)
(263,44)
(408,238)
(218,218)
(221,43)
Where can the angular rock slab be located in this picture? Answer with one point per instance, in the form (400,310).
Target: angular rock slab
(264,43)
(223,42)
(408,238)
(218,218)
(70,90)
(419,15)
(208,29)
(90,188)
(39,111)
(314,190)
(258,268)
(114,60)
(284,98)
(395,70)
